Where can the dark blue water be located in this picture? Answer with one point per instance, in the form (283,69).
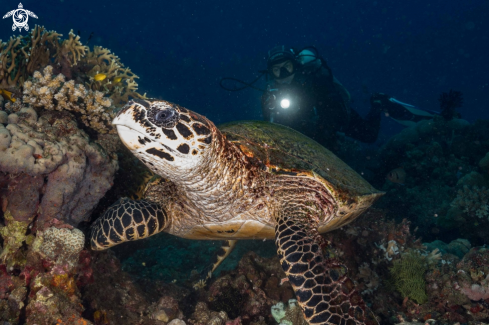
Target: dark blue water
(413,50)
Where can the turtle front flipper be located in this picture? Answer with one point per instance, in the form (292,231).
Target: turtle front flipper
(325,294)
(127,220)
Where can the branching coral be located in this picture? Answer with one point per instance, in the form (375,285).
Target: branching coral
(53,93)
(119,82)
(8,57)
(20,57)
(70,50)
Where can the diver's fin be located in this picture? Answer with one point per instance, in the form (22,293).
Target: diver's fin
(403,113)
(415,110)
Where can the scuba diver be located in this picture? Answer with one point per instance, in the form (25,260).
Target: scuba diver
(303,93)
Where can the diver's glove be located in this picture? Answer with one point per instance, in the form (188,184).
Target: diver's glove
(270,101)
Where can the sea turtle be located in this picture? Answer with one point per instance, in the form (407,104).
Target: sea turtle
(20,17)
(246,180)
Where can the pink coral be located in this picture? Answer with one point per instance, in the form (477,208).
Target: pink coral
(476,292)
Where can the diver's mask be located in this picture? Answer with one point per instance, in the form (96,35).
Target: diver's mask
(282,70)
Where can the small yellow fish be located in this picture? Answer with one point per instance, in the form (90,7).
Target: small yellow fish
(7,95)
(397,176)
(100,76)
(117,79)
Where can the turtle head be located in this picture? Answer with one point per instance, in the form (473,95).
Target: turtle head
(167,138)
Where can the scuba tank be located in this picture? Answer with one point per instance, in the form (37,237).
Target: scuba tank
(309,59)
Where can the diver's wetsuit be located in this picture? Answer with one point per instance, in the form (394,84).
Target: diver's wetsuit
(319,108)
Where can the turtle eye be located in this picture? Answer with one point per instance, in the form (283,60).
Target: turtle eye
(165,115)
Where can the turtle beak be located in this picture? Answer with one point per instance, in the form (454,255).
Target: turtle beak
(129,137)
(130,131)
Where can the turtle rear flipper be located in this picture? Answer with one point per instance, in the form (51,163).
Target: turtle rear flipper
(325,294)
(127,220)
(219,257)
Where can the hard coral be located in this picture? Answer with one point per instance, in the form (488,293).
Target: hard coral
(473,274)
(473,201)
(70,50)
(166,310)
(202,315)
(21,56)
(119,82)
(53,93)
(62,245)
(49,155)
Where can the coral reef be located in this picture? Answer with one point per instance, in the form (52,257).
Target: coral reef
(167,310)
(51,176)
(113,297)
(56,94)
(458,247)
(202,315)
(23,55)
(69,84)
(473,201)
(119,82)
(290,315)
(61,245)
(251,290)
(58,158)
(50,169)
(444,192)
(113,294)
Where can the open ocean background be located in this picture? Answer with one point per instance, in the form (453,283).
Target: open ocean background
(411,50)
